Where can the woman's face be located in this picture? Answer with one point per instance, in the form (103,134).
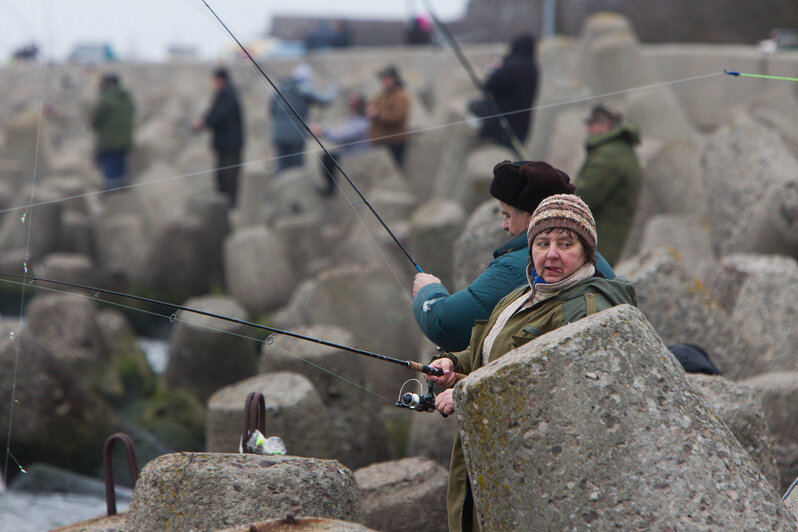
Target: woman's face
(556,254)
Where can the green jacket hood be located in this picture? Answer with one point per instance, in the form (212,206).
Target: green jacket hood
(519,242)
(627,132)
(617,291)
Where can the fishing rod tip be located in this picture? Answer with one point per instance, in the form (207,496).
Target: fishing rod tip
(731,72)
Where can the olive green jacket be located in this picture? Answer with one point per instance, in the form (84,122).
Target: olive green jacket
(585,298)
(112,120)
(609,182)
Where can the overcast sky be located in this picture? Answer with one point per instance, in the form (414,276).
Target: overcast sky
(146,27)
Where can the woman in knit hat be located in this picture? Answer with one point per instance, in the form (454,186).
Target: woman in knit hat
(563,286)
(447,318)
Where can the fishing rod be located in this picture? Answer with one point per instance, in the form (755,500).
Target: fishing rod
(505,125)
(310,132)
(28,280)
(760,76)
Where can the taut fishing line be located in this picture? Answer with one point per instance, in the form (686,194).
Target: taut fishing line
(26,216)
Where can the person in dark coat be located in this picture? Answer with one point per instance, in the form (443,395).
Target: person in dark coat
(112,121)
(513,86)
(446,319)
(224,118)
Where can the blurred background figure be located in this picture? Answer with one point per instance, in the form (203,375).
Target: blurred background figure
(288,133)
(112,122)
(419,31)
(350,136)
(388,112)
(513,85)
(610,177)
(224,118)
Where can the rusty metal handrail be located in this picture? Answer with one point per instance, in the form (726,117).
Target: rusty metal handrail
(253,420)
(130,451)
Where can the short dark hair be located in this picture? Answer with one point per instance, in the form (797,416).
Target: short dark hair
(221,73)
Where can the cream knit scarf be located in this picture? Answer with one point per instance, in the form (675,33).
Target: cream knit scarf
(539,292)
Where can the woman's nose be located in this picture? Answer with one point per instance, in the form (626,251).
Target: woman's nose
(552,252)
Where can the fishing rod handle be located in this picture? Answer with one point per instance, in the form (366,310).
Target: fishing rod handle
(429,370)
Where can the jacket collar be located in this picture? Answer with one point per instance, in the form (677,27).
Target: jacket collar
(519,242)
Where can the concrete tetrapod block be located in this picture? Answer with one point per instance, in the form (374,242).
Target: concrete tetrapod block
(594,425)
(681,308)
(433,228)
(766,313)
(779,395)
(209,491)
(403,495)
(473,249)
(740,408)
(342,384)
(294,412)
(206,353)
(732,271)
(305,524)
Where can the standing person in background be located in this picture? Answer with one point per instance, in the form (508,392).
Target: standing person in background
(610,178)
(351,137)
(112,121)
(225,119)
(288,133)
(388,113)
(513,85)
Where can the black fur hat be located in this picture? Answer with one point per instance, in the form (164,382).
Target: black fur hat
(524,184)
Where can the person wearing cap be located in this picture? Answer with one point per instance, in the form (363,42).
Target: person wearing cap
(224,119)
(388,112)
(446,319)
(288,133)
(112,121)
(563,286)
(610,177)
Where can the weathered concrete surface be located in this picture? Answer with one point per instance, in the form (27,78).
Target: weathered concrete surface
(433,228)
(432,436)
(404,495)
(473,184)
(303,524)
(206,353)
(779,395)
(740,408)
(108,523)
(294,412)
(681,309)
(686,237)
(601,429)
(208,491)
(766,312)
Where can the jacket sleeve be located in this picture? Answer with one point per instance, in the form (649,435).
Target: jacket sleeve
(596,181)
(447,319)
(500,80)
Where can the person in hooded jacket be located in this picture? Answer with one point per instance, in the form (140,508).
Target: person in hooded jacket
(112,121)
(563,286)
(513,86)
(610,177)
(446,319)
(288,133)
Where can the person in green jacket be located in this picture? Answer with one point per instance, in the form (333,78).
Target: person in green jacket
(446,319)
(610,178)
(112,121)
(563,286)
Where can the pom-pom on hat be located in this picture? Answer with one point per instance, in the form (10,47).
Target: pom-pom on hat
(524,184)
(564,211)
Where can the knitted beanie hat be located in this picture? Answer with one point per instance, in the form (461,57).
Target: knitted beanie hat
(564,211)
(524,184)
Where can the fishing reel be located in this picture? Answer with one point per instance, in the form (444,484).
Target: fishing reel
(416,401)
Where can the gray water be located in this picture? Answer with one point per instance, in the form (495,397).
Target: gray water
(24,511)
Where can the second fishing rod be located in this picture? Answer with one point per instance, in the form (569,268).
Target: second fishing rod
(315,138)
